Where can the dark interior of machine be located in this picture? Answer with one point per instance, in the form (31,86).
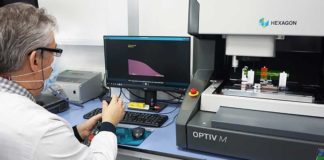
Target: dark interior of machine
(300,57)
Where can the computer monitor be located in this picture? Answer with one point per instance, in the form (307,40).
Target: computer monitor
(150,63)
(32,2)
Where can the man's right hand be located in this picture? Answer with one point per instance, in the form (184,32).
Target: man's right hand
(114,112)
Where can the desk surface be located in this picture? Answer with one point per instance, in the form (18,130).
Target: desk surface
(162,141)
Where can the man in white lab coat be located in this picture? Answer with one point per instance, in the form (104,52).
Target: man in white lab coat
(27,130)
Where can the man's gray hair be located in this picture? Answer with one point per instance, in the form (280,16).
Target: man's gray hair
(23,28)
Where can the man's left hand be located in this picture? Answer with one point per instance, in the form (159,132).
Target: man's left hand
(85,128)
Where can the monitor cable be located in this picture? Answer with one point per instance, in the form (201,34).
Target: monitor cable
(104,83)
(171,101)
(180,97)
(173,119)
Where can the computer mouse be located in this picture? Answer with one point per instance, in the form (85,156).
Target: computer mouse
(138,132)
(106,97)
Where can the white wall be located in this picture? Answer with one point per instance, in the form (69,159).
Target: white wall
(82,57)
(81,26)
(163,17)
(82,23)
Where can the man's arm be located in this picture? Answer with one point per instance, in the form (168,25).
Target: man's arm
(59,143)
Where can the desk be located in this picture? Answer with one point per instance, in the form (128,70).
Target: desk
(159,145)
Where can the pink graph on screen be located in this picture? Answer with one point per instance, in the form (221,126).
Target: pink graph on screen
(138,68)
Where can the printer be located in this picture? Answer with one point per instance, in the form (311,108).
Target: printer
(258,80)
(52,103)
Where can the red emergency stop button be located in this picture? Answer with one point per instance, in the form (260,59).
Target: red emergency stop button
(193,92)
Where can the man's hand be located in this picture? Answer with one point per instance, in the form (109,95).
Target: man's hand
(114,112)
(85,128)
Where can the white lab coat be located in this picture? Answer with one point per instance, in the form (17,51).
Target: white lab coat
(30,132)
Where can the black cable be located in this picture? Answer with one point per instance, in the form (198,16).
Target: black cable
(125,95)
(175,97)
(164,101)
(59,94)
(105,85)
(120,92)
(134,94)
(169,101)
(109,88)
(104,80)
(159,100)
(170,122)
(175,108)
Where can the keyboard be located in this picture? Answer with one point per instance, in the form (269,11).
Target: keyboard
(136,118)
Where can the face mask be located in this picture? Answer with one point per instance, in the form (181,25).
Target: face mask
(47,82)
(51,80)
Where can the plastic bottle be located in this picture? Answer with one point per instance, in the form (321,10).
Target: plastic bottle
(250,77)
(283,79)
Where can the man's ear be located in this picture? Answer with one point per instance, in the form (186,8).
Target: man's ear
(34,61)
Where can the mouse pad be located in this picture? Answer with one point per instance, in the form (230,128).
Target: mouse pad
(124,136)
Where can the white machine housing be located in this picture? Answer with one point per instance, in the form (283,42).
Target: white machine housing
(286,17)
(250,28)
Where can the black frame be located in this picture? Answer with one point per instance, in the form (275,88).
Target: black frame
(32,2)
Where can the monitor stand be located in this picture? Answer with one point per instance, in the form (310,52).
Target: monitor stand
(150,99)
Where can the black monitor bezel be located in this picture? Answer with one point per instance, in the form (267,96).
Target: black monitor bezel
(32,2)
(150,87)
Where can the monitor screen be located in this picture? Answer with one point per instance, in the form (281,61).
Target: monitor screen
(149,63)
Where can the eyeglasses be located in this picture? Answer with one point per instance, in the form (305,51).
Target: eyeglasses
(57,52)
